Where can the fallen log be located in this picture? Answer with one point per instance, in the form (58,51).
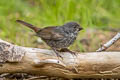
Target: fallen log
(18,59)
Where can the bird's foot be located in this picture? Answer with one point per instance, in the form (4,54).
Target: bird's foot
(59,56)
(67,50)
(57,53)
(73,53)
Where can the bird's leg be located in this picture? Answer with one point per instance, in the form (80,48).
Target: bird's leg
(67,50)
(57,53)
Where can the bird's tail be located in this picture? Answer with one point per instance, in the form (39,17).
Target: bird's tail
(36,29)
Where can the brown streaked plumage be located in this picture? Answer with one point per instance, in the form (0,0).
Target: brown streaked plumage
(59,38)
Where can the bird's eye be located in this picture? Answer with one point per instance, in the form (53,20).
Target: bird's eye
(74,26)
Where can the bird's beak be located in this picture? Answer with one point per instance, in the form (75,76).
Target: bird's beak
(80,28)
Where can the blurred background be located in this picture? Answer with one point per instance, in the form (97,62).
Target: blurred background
(99,18)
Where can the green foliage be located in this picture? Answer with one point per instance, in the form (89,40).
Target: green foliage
(89,13)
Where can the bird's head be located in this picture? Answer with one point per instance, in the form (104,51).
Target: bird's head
(73,26)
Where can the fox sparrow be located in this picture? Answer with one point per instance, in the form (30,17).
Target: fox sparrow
(59,38)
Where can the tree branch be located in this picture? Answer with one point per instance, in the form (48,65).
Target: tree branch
(109,43)
(44,62)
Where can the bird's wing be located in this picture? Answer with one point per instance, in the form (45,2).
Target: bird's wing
(50,34)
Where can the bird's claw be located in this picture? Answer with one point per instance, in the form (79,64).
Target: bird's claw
(67,50)
(59,56)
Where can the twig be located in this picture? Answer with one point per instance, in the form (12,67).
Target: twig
(109,43)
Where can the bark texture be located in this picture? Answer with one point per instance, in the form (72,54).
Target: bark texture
(14,59)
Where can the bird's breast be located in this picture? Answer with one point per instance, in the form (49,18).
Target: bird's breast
(63,43)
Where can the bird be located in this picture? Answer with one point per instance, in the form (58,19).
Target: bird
(59,38)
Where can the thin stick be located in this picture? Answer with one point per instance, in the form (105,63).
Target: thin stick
(109,43)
